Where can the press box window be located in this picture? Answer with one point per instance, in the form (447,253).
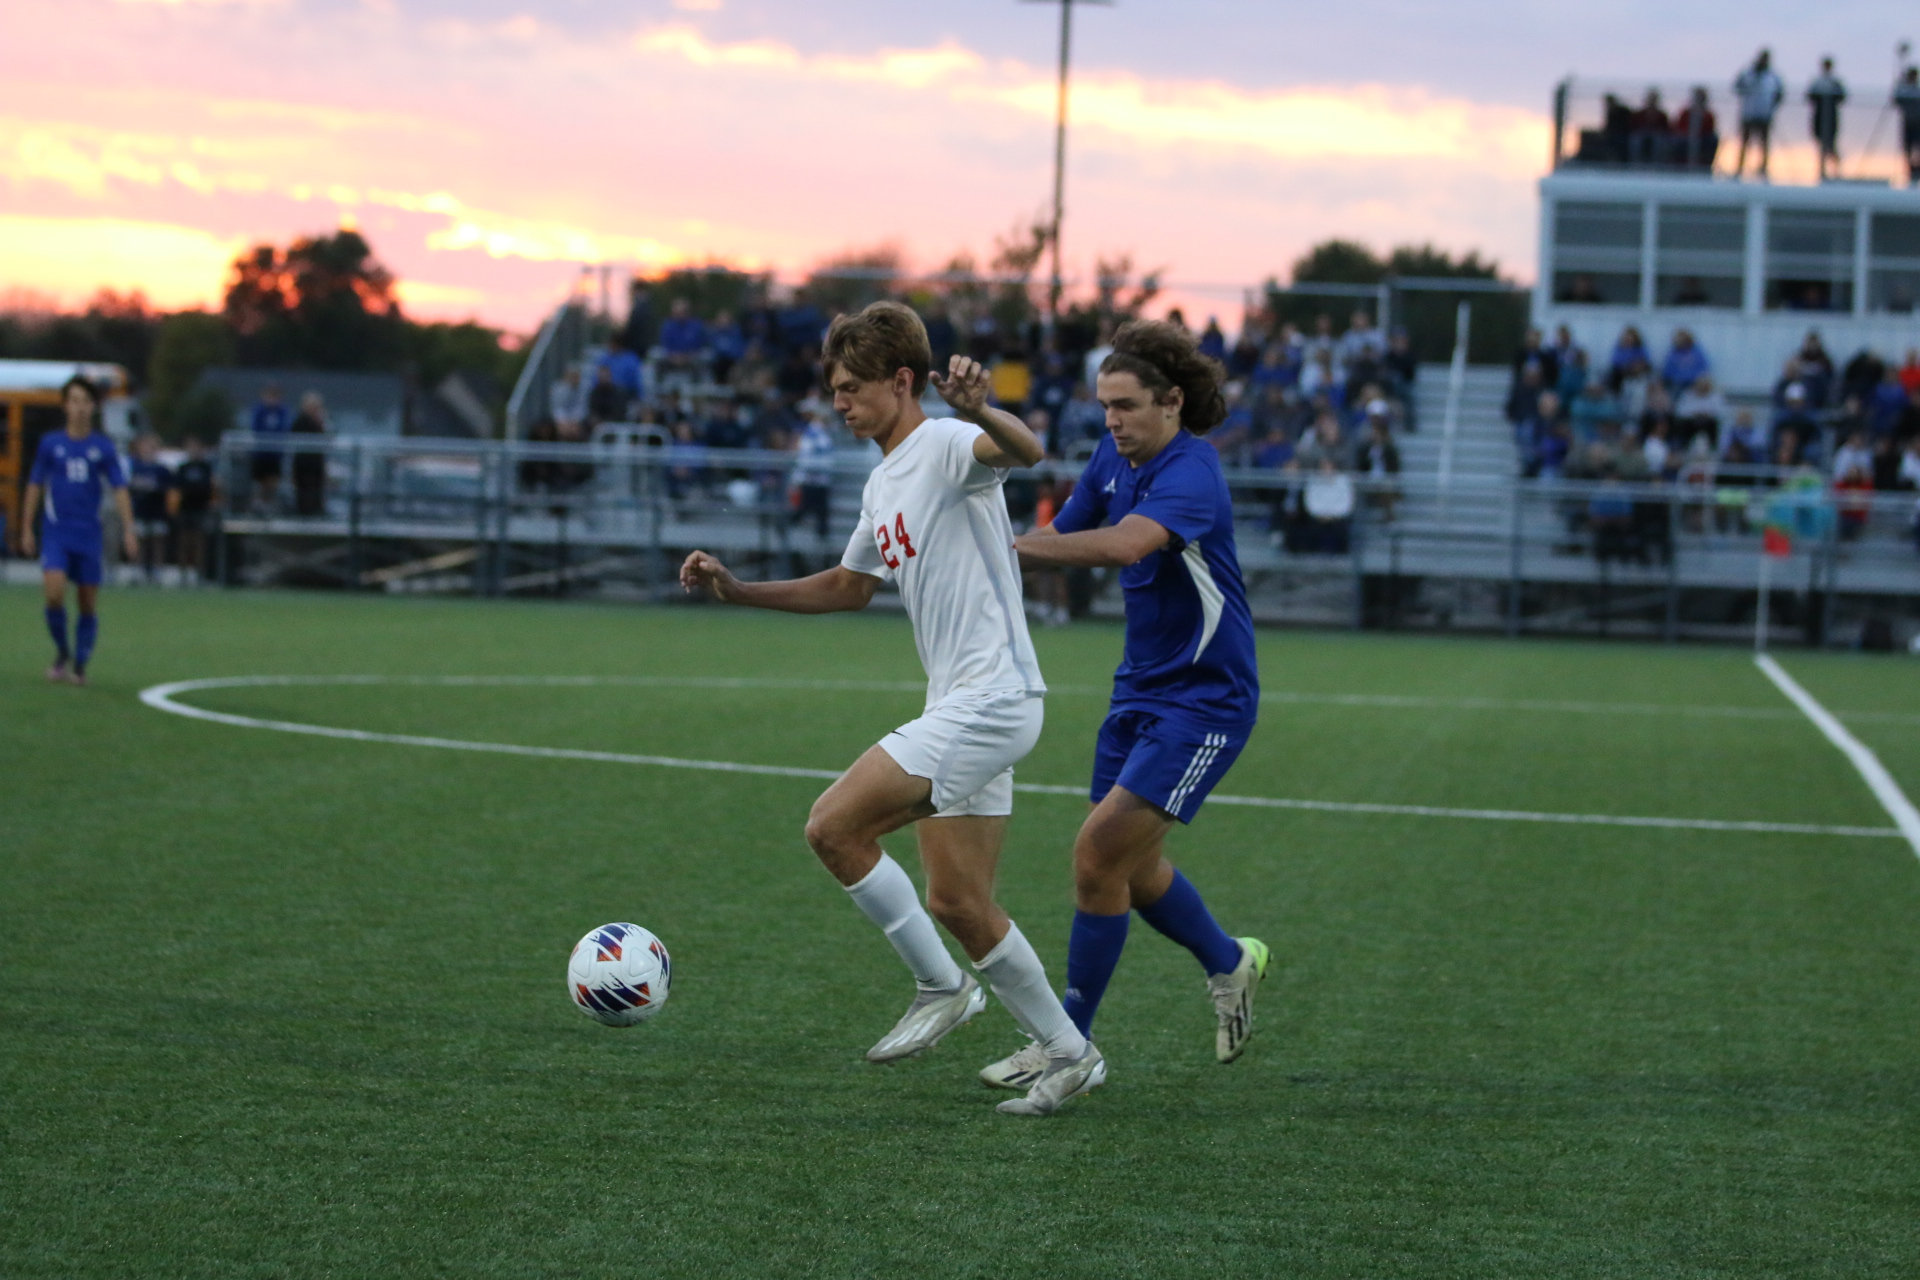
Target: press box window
(1596,252)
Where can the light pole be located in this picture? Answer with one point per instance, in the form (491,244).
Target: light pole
(1060,149)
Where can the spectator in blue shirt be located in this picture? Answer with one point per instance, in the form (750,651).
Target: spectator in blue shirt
(150,486)
(1213,343)
(622,366)
(270,420)
(1685,363)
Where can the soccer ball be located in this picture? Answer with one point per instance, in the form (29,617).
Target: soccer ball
(619,975)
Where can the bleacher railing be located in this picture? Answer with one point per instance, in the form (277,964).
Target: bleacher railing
(498,517)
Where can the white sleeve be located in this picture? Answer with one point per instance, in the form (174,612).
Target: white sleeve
(959,465)
(861,555)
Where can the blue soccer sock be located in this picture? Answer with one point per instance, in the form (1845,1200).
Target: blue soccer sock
(1093,949)
(83,637)
(57,626)
(1182,916)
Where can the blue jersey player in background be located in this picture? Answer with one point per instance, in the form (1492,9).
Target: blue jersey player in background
(70,471)
(1153,503)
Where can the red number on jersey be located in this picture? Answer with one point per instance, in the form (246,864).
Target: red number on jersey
(886,547)
(900,535)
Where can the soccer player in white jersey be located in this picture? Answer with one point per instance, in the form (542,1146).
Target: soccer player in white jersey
(933,518)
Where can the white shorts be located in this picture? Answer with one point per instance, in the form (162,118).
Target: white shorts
(966,745)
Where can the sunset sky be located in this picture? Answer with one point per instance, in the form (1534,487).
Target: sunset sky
(489,148)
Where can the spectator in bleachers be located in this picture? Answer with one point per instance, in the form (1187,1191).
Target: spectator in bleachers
(1593,405)
(1795,419)
(1696,136)
(567,399)
(1908,475)
(1685,363)
(1321,341)
(1542,438)
(623,367)
(1700,409)
(1861,375)
(728,343)
(1824,97)
(269,421)
(1910,371)
(310,464)
(1053,385)
(1656,448)
(1325,441)
(606,402)
(1630,358)
(1081,418)
(1906,102)
(1886,464)
(1275,369)
(1573,378)
(1886,406)
(1378,459)
(1402,370)
(1523,397)
(1213,343)
(1321,378)
(1326,510)
(1247,349)
(1534,352)
(1745,434)
(1648,135)
(686,457)
(1360,350)
(1759,91)
(683,347)
(1853,484)
(811,496)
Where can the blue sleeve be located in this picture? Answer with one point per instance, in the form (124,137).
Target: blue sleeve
(42,462)
(1086,506)
(116,474)
(1185,499)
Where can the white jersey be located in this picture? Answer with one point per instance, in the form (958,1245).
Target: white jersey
(934,520)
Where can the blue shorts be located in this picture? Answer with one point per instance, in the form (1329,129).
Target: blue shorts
(1169,765)
(79,556)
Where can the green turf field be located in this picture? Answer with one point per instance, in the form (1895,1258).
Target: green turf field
(276,1005)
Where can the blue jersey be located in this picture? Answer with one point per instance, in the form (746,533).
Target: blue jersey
(74,474)
(1189,655)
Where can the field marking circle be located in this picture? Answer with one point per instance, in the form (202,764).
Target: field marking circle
(166,697)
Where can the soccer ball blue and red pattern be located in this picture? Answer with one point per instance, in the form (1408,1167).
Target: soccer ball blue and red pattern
(619,975)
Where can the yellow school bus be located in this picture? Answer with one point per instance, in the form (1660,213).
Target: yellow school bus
(30,407)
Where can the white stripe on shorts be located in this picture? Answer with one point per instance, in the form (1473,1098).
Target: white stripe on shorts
(1196,769)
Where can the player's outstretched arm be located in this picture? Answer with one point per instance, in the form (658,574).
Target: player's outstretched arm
(1008,442)
(129,540)
(838,590)
(1113,547)
(30,505)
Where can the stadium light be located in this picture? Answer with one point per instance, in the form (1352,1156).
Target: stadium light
(1060,147)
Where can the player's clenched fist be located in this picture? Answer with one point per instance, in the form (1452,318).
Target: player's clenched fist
(704,571)
(965,386)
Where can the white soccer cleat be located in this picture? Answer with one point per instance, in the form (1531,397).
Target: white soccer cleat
(931,1015)
(1018,1070)
(1233,998)
(1058,1084)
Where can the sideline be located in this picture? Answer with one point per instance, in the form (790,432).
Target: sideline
(1878,780)
(165,697)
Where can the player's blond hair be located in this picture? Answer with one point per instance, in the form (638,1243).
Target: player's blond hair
(876,342)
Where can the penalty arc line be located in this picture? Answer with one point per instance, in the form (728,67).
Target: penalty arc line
(165,697)
(1878,780)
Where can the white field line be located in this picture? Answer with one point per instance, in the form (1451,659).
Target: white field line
(1878,780)
(165,697)
(1279,697)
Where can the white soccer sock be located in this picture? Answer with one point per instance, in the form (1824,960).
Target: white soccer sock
(887,897)
(1014,972)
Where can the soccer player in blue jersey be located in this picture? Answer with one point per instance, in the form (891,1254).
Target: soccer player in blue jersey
(69,471)
(1153,503)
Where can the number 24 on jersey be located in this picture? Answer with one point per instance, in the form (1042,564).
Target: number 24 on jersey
(898,537)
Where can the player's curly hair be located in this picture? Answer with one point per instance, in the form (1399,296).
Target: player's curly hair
(1164,356)
(875,342)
